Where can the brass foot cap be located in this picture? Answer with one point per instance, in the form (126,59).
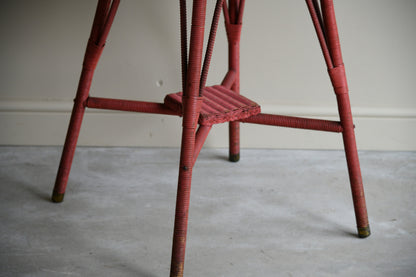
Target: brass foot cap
(364,232)
(234,157)
(57,197)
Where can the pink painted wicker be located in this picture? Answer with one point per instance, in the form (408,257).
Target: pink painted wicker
(219,105)
(201,106)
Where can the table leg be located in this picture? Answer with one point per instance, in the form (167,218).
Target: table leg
(103,20)
(339,82)
(192,106)
(233,23)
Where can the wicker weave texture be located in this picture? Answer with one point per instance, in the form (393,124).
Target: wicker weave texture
(219,105)
(206,106)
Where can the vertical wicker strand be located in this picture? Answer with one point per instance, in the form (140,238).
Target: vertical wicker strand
(240,12)
(320,33)
(225,12)
(99,19)
(109,21)
(233,10)
(184,42)
(210,46)
(319,15)
(331,31)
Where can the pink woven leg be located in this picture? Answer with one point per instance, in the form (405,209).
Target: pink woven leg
(71,138)
(339,82)
(233,21)
(200,137)
(192,106)
(353,166)
(102,22)
(182,202)
(234,141)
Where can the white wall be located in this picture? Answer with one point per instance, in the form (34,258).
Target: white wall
(43,42)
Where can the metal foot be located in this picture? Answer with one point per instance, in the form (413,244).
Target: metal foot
(57,197)
(364,232)
(234,157)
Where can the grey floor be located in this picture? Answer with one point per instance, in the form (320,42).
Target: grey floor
(275,213)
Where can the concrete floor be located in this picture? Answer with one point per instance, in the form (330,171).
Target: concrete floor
(275,213)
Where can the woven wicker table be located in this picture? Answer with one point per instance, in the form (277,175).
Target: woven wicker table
(201,106)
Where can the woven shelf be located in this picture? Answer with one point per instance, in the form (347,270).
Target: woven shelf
(219,105)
